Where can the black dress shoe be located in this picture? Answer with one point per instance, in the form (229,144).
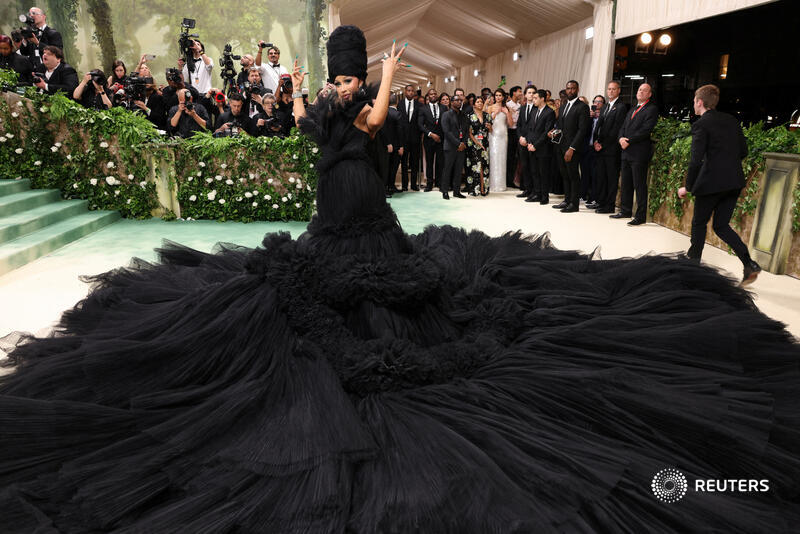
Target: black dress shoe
(523,195)
(560,205)
(395,190)
(458,195)
(571,208)
(532,198)
(620,215)
(428,190)
(604,210)
(636,222)
(751,270)
(544,201)
(445,195)
(592,205)
(413,188)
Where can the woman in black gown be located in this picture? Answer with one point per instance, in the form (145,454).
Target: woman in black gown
(359,379)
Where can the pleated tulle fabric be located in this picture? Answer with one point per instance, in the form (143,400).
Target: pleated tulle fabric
(359,379)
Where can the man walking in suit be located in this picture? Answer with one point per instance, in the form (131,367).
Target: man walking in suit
(539,148)
(430,122)
(634,139)
(409,119)
(573,121)
(715,177)
(608,150)
(456,131)
(524,122)
(55,75)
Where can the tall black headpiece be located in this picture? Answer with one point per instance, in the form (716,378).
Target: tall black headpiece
(347,53)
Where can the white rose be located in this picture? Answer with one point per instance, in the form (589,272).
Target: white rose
(128,201)
(130,177)
(162,132)
(222,201)
(289,195)
(10,136)
(238,199)
(91,121)
(229,181)
(212,195)
(110,164)
(284,199)
(18,151)
(53,149)
(297,204)
(255,191)
(248,194)
(241,180)
(15,114)
(223,166)
(267,197)
(110,180)
(291,179)
(209,180)
(311,165)
(37,162)
(274,206)
(255,204)
(251,175)
(74,186)
(93,181)
(299,186)
(103,145)
(294,156)
(3,139)
(69,157)
(190,179)
(269,181)
(19,103)
(202,164)
(193,198)
(314,150)
(199,173)
(58,145)
(43,109)
(143,184)
(218,178)
(116,192)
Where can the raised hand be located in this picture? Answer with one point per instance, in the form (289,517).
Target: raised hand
(391,62)
(298,76)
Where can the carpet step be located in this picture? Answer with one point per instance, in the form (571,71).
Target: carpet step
(9,187)
(26,222)
(27,248)
(27,200)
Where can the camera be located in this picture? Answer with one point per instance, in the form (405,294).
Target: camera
(594,107)
(97,77)
(286,85)
(265,45)
(185,43)
(219,97)
(25,32)
(174,75)
(228,72)
(188,105)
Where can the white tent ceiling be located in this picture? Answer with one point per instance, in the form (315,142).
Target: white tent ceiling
(445,34)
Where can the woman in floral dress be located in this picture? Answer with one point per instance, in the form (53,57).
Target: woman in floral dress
(477,154)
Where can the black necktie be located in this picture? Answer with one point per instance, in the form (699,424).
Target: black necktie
(528,112)
(435,113)
(537,115)
(566,111)
(408,109)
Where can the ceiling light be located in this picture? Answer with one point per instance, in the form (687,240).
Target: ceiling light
(665,39)
(516,56)
(475,73)
(589,32)
(646,38)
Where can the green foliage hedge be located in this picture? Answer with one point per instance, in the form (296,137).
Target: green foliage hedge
(102,156)
(672,151)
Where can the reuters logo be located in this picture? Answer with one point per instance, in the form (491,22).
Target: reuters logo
(669,485)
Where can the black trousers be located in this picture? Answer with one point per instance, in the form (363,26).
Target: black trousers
(434,163)
(453,167)
(588,187)
(570,175)
(394,163)
(540,172)
(606,178)
(634,178)
(526,160)
(410,161)
(721,205)
(511,158)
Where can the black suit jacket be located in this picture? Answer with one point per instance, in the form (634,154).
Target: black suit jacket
(21,65)
(525,121)
(637,129)
(409,128)
(537,131)
(393,127)
(427,124)
(608,126)
(64,78)
(718,148)
(47,37)
(574,126)
(456,129)
(158,111)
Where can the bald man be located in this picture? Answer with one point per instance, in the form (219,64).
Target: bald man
(634,140)
(43,36)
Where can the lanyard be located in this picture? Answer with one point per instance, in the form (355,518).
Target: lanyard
(637,110)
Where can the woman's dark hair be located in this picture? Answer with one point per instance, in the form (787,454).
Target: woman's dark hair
(441,95)
(117,63)
(6,39)
(502,92)
(471,98)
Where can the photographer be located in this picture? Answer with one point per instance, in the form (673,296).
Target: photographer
(248,62)
(152,106)
(55,75)
(174,86)
(273,71)
(253,91)
(215,103)
(38,36)
(186,117)
(16,62)
(267,123)
(201,73)
(99,97)
(284,109)
(119,74)
(233,122)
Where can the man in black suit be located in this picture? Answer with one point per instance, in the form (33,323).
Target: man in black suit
(526,111)
(715,177)
(637,149)
(409,120)
(430,123)
(539,149)
(608,150)
(456,131)
(573,121)
(43,36)
(55,75)
(394,138)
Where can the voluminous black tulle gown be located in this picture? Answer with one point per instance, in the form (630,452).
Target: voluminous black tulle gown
(359,379)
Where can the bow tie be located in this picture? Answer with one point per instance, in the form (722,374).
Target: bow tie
(276,65)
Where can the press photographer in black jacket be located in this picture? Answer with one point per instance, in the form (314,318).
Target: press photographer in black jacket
(93,92)
(16,62)
(235,120)
(43,36)
(55,75)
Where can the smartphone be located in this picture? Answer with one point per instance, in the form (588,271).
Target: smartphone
(149,57)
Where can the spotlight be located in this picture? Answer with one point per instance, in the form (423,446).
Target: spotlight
(475,73)
(516,56)
(589,33)
(665,39)
(646,38)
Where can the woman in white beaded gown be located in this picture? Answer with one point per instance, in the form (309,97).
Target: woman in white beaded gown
(498,142)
